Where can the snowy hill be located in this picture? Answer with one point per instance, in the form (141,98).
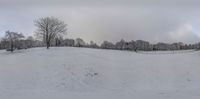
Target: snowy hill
(81,73)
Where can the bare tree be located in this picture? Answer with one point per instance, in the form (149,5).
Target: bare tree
(80,42)
(93,45)
(121,45)
(68,42)
(49,28)
(29,42)
(107,45)
(12,38)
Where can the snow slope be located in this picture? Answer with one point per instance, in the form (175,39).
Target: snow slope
(82,73)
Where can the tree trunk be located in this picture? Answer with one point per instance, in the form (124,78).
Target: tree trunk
(11,48)
(48,45)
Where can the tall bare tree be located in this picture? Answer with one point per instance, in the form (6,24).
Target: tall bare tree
(48,28)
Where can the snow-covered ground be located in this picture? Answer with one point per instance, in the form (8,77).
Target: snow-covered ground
(82,73)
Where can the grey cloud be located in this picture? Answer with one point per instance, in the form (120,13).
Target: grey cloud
(99,2)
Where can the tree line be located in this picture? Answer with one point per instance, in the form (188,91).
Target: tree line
(51,32)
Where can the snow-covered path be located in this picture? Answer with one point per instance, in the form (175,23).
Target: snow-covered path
(82,73)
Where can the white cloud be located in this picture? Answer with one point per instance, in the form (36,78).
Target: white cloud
(184,33)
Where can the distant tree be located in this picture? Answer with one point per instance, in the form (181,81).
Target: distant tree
(80,42)
(30,38)
(197,46)
(107,45)
(49,28)
(142,45)
(162,46)
(58,41)
(68,42)
(29,42)
(121,45)
(4,43)
(177,46)
(12,38)
(93,45)
(131,45)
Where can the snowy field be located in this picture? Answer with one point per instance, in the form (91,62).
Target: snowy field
(82,73)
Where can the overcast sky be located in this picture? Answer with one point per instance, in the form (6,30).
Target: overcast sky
(112,20)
